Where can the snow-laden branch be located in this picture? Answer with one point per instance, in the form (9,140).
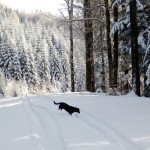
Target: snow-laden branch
(121,25)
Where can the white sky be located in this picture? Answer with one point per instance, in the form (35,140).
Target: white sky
(31,5)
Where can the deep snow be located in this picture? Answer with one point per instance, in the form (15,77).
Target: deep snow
(105,123)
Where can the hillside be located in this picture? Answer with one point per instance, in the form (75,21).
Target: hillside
(34,54)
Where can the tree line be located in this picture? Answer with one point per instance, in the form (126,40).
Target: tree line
(100,46)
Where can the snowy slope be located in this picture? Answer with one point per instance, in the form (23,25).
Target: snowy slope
(105,123)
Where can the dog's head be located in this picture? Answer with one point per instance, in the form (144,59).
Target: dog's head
(77,110)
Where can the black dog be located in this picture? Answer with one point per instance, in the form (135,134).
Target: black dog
(69,109)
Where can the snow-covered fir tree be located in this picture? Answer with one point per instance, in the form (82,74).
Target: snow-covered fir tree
(123,29)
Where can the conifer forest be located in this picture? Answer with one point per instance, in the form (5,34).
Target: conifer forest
(97,46)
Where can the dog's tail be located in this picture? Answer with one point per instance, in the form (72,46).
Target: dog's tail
(56,103)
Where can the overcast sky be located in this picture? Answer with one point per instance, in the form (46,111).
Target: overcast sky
(31,5)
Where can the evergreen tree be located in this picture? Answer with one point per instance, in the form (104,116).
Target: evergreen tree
(9,61)
(123,28)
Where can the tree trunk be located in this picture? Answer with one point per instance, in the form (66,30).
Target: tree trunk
(90,83)
(103,74)
(108,42)
(70,12)
(115,50)
(134,48)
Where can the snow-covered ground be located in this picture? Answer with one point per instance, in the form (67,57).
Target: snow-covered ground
(105,123)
